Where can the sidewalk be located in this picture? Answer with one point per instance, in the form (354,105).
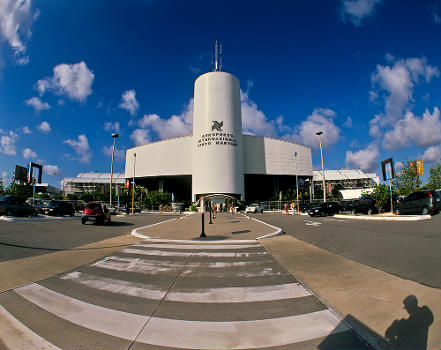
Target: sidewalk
(369,300)
(225,226)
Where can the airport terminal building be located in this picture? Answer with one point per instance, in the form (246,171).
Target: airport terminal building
(218,158)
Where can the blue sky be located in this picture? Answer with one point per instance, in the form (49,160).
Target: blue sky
(365,72)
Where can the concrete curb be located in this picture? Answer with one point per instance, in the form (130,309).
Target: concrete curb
(278,231)
(140,235)
(385,218)
(9,219)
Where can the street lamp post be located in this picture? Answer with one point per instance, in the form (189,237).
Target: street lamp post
(115,136)
(318,133)
(133,184)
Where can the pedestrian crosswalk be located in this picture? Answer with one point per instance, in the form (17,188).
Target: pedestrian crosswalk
(171,295)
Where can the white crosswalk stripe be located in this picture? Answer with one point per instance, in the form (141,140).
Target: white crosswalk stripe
(194,276)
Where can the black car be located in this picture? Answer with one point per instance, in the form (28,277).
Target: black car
(96,212)
(366,205)
(326,208)
(420,202)
(58,208)
(347,204)
(10,206)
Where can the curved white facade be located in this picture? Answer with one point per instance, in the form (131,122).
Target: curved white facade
(217,136)
(218,157)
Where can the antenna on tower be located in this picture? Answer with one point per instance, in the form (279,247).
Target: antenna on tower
(217,57)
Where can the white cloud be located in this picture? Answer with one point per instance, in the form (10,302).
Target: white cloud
(52,170)
(119,153)
(365,159)
(73,80)
(16,19)
(140,137)
(175,126)
(44,127)
(28,153)
(254,121)
(432,154)
(321,119)
(25,130)
(37,104)
(7,143)
(357,10)
(395,84)
(398,166)
(81,148)
(111,127)
(348,122)
(424,132)
(129,102)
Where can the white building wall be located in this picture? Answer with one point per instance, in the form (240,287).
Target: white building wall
(168,157)
(217,154)
(268,156)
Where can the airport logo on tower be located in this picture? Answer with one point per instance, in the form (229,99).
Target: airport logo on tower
(217,125)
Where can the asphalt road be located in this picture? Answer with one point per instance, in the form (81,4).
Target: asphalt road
(408,249)
(31,238)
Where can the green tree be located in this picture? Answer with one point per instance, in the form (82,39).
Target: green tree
(381,194)
(22,191)
(407,181)
(155,198)
(2,189)
(434,180)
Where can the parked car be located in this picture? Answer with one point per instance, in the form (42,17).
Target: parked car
(96,212)
(38,204)
(420,202)
(366,205)
(58,208)
(326,208)
(254,208)
(347,204)
(10,206)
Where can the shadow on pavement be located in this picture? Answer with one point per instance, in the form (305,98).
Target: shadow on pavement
(410,333)
(209,238)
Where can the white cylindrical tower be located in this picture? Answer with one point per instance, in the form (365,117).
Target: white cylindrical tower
(217,136)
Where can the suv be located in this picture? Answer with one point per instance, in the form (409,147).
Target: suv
(96,212)
(58,208)
(365,205)
(420,202)
(10,205)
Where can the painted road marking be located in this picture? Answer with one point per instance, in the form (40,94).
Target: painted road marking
(182,333)
(202,295)
(113,322)
(240,334)
(155,267)
(203,254)
(312,223)
(15,335)
(197,246)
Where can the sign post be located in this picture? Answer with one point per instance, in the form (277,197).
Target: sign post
(387,166)
(202,212)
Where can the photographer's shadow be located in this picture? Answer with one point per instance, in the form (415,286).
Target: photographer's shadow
(411,333)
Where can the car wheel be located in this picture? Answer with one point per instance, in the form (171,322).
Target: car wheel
(9,212)
(425,211)
(370,212)
(261,211)
(109,221)
(397,212)
(83,221)
(353,211)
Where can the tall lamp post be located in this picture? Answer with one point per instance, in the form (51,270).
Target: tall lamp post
(115,136)
(133,184)
(318,133)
